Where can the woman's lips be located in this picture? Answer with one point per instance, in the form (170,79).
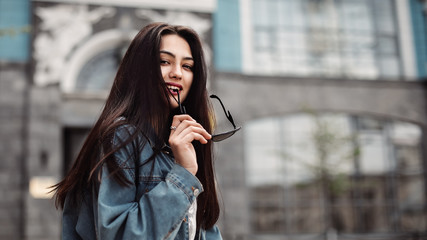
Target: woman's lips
(174,88)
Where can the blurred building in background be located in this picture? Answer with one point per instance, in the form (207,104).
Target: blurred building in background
(331,95)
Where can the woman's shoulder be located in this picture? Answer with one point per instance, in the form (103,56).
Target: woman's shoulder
(123,127)
(126,130)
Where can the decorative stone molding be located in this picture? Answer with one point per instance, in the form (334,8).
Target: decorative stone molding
(62,28)
(96,44)
(185,5)
(66,38)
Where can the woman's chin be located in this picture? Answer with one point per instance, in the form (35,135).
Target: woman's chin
(173,103)
(174,106)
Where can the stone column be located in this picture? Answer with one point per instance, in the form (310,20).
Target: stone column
(13,85)
(44,164)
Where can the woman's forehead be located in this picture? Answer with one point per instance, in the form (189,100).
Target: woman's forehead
(176,45)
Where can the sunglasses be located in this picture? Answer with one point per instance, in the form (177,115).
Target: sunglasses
(219,136)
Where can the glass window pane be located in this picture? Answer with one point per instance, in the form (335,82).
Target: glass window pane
(411,203)
(260,9)
(99,72)
(386,45)
(261,136)
(389,66)
(383,13)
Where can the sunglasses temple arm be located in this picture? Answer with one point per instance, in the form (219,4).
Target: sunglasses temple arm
(230,118)
(181,108)
(227,113)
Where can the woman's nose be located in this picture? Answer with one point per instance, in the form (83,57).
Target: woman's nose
(176,72)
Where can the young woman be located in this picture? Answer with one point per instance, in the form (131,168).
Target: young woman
(145,171)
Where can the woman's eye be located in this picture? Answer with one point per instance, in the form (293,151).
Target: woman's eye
(189,67)
(163,62)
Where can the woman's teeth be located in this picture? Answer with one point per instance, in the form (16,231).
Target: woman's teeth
(173,88)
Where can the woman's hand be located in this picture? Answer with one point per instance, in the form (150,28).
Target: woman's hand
(184,131)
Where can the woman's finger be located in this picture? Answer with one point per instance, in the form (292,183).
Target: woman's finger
(179,124)
(180,118)
(177,119)
(197,137)
(188,133)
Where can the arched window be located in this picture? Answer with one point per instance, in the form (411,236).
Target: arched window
(93,66)
(97,75)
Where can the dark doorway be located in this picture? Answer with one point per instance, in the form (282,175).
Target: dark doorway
(73,141)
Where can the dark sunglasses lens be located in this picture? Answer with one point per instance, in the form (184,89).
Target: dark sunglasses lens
(222,136)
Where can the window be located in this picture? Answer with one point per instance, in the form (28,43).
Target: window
(355,175)
(97,75)
(327,38)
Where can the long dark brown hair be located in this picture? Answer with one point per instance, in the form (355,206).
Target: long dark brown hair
(140,96)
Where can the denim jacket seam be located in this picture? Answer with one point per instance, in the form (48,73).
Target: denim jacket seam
(150,179)
(124,165)
(178,185)
(174,227)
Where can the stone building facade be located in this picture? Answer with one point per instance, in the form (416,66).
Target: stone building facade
(48,103)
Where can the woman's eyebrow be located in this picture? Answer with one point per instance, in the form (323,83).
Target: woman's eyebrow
(173,55)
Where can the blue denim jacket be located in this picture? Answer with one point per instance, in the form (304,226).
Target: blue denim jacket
(156,208)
